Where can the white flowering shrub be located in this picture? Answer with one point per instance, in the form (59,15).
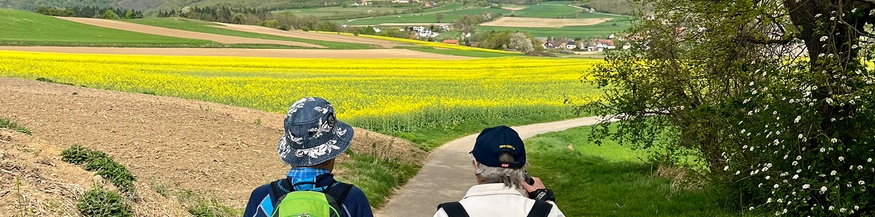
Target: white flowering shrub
(775,97)
(805,141)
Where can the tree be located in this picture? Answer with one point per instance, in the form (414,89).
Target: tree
(520,42)
(129,14)
(773,95)
(239,18)
(439,17)
(110,15)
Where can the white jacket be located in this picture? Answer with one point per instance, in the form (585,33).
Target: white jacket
(493,200)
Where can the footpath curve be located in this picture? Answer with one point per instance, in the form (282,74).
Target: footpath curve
(448,174)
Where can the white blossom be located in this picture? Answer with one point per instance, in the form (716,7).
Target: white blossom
(768,177)
(769,200)
(797,119)
(861,182)
(806,186)
(869,160)
(832,173)
(776,185)
(831,208)
(843,210)
(824,38)
(834,140)
(726,168)
(795,176)
(823,189)
(841,158)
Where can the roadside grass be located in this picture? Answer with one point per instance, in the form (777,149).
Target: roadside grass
(465,53)
(376,176)
(8,124)
(24,28)
(212,28)
(612,180)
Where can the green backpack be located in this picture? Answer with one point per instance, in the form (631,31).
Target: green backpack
(324,203)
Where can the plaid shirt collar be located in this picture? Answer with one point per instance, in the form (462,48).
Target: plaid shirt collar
(305,174)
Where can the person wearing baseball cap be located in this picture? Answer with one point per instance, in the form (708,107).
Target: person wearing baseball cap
(499,159)
(312,139)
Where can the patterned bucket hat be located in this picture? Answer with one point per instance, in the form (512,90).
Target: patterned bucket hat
(312,133)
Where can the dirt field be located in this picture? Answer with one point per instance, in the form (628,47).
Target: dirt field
(279,53)
(311,35)
(34,181)
(206,147)
(183,34)
(514,7)
(543,22)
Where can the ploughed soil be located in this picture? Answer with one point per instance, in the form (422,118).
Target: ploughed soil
(544,22)
(154,30)
(34,181)
(273,53)
(219,150)
(310,35)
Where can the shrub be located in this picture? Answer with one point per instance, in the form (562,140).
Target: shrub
(76,154)
(110,15)
(13,126)
(104,165)
(99,202)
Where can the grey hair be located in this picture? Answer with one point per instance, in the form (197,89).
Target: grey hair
(510,177)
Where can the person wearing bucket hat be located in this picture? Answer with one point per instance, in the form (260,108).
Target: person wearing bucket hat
(499,160)
(312,139)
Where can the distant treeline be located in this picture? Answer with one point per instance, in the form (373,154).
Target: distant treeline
(90,12)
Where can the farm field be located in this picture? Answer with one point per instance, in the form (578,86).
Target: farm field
(455,11)
(426,101)
(224,39)
(601,30)
(26,28)
(213,28)
(410,52)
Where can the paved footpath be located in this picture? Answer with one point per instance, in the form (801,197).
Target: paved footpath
(449,173)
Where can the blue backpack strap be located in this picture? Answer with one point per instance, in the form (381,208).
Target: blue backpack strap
(540,209)
(454,209)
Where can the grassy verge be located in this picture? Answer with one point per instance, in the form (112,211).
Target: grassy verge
(6,123)
(212,28)
(377,177)
(612,180)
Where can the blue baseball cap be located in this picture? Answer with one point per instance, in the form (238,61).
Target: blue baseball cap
(492,142)
(313,134)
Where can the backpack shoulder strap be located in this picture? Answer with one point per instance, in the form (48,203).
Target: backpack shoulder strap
(540,209)
(338,191)
(454,209)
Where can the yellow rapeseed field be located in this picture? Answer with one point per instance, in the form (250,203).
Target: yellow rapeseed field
(359,89)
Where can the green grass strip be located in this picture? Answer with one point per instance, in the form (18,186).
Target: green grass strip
(5,123)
